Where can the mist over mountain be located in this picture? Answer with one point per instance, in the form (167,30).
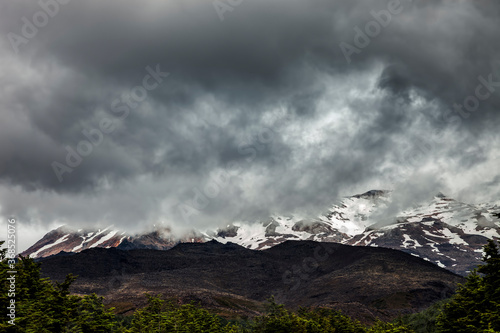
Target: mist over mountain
(286,165)
(187,115)
(449,233)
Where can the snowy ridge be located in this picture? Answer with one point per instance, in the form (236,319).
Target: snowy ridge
(263,235)
(64,239)
(352,216)
(446,232)
(48,246)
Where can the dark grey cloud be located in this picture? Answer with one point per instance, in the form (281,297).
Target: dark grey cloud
(265,97)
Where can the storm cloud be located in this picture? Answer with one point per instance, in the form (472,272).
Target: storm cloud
(181,118)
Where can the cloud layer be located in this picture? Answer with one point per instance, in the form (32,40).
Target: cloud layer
(260,113)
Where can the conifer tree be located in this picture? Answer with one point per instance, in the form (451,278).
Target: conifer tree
(476,305)
(46,307)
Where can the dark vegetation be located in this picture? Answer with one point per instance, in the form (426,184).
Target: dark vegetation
(364,283)
(46,306)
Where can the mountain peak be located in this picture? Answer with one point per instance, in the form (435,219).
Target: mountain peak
(440,195)
(371,194)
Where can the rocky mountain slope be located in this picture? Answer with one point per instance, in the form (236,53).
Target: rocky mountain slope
(364,282)
(64,239)
(444,231)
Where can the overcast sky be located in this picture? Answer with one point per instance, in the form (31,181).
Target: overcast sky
(195,113)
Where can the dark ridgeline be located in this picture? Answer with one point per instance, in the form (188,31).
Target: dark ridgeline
(364,282)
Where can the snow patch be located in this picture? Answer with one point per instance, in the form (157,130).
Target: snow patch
(454,238)
(104,239)
(48,246)
(440,264)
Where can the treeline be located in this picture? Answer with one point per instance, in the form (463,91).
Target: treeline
(42,306)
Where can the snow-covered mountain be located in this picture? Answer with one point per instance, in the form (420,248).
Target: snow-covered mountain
(447,232)
(339,224)
(444,231)
(64,239)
